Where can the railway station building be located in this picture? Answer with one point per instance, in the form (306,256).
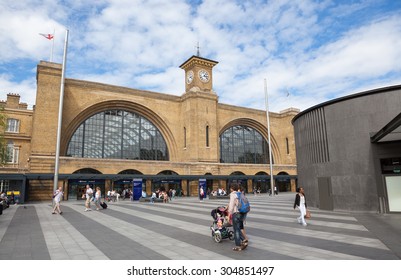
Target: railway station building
(112,134)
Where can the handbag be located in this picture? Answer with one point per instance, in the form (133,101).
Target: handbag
(308,214)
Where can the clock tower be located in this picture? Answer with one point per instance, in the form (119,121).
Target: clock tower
(198,74)
(199,113)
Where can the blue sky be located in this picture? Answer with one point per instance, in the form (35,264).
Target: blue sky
(315,50)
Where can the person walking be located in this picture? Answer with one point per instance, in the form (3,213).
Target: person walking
(243,232)
(201,194)
(57,198)
(300,203)
(237,218)
(88,196)
(98,197)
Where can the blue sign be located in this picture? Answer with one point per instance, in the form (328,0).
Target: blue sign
(137,188)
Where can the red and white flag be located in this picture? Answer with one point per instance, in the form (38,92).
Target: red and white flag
(47,36)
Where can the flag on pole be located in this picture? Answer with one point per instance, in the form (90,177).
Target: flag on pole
(47,36)
(50,37)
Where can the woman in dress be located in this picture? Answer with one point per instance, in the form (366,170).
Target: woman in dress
(98,196)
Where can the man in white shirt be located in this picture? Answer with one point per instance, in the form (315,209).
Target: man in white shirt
(153,197)
(88,195)
(57,198)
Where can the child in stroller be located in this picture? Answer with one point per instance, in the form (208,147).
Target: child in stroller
(220,227)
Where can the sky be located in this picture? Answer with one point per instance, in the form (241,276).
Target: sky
(308,51)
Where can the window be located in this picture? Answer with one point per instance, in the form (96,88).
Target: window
(243,144)
(12,153)
(288,146)
(118,134)
(207,136)
(185,137)
(4,185)
(12,125)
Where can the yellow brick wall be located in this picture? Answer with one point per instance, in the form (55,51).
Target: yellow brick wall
(194,110)
(13,109)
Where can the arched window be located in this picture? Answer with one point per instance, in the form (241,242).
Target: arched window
(243,144)
(185,137)
(87,171)
(287,145)
(207,136)
(118,134)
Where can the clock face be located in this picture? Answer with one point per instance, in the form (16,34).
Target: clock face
(190,77)
(204,76)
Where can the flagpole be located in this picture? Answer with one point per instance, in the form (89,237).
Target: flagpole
(51,54)
(270,146)
(60,113)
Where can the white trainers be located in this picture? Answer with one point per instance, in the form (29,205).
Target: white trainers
(299,220)
(304,224)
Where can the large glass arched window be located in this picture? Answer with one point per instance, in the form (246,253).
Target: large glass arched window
(118,134)
(243,144)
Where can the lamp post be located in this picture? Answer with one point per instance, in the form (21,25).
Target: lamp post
(270,146)
(60,114)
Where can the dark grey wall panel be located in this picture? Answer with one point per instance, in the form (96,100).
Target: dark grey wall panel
(333,141)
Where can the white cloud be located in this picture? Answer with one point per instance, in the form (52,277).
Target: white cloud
(296,45)
(26,89)
(20,25)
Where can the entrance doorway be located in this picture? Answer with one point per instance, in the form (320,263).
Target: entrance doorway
(261,186)
(283,182)
(393,187)
(77,188)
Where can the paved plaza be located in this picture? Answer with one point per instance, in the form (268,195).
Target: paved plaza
(180,230)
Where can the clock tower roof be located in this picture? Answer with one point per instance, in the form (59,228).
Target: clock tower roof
(198,61)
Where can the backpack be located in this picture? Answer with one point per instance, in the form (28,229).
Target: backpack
(243,203)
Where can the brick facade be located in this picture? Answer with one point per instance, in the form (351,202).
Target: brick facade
(194,110)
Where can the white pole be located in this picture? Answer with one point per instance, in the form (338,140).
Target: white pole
(270,146)
(60,113)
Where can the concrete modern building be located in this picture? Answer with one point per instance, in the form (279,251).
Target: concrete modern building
(112,134)
(349,152)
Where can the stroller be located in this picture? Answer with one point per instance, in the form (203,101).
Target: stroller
(220,227)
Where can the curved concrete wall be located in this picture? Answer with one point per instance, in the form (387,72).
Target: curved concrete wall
(337,164)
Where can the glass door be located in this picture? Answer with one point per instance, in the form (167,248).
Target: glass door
(393,186)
